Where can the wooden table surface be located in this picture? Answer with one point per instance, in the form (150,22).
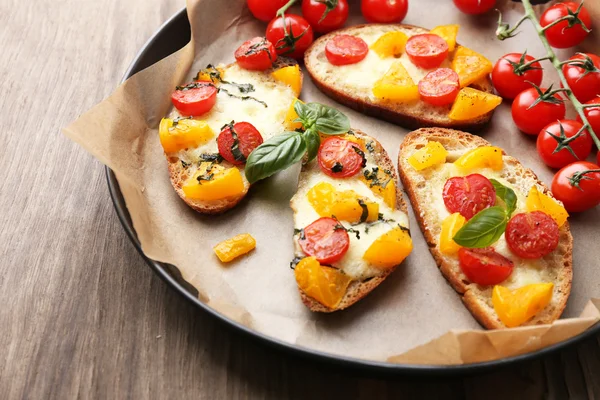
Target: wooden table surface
(83,316)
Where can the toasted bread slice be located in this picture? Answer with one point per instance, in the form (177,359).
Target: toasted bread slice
(355,90)
(556,267)
(183,164)
(358,288)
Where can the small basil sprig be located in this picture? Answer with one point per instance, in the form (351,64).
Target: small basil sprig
(486,227)
(280,152)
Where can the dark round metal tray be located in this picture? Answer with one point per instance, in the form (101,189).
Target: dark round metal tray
(170,37)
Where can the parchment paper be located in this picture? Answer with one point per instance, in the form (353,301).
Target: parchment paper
(414,316)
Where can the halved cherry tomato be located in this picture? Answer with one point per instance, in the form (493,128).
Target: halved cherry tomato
(583,79)
(313,11)
(265,10)
(474,6)
(532,235)
(291,35)
(562,35)
(484,266)
(384,11)
(593,115)
(469,194)
(439,87)
(346,49)
(325,239)
(553,143)
(426,50)
(256,54)
(340,158)
(577,193)
(510,79)
(530,119)
(236,145)
(195,99)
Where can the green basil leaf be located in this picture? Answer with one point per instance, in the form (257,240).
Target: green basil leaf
(274,155)
(331,121)
(313,141)
(306,114)
(484,229)
(507,195)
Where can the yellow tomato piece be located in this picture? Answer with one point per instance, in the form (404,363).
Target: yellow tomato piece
(429,156)
(515,307)
(291,116)
(481,157)
(390,249)
(396,85)
(291,76)
(210,73)
(390,44)
(470,66)
(471,103)
(214,182)
(448,33)
(231,249)
(345,206)
(538,201)
(450,226)
(382,185)
(184,134)
(325,284)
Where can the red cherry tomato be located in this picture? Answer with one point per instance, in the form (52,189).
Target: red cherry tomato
(340,158)
(439,87)
(346,49)
(550,138)
(484,266)
(313,11)
(265,10)
(584,83)
(469,194)
(426,50)
(532,235)
(509,81)
(598,157)
(299,35)
(474,6)
(236,146)
(384,11)
(256,54)
(560,35)
(576,199)
(530,119)
(325,240)
(195,99)
(593,115)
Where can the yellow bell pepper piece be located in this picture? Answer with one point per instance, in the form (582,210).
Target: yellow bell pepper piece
(390,249)
(184,134)
(390,44)
(291,76)
(213,74)
(471,103)
(291,116)
(470,66)
(429,156)
(481,157)
(385,187)
(325,284)
(345,206)
(450,226)
(515,307)
(214,182)
(396,85)
(538,201)
(231,249)
(448,33)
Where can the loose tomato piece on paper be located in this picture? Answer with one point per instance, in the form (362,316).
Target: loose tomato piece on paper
(468,195)
(346,49)
(439,87)
(577,189)
(484,266)
(195,99)
(340,158)
(532,235)
(511,75)
(257,54)
(325,239)
(426,50)
(237,141)
(566,33)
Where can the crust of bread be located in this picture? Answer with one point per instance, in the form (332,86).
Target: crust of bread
(389,111)
(476,298)
(359,289)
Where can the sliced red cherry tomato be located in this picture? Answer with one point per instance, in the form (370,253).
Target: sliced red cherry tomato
(557,147)
(469,194)
(474,6)
(256,54)
(384,11)
(583,77)
(346,49)
(265,10)
(236,145)
(578,191)
(325,239)
(291,35)
(340,158)
(532,235)
(532,118)
(439,87)
(426,50)
(593,115)
(510,77)
(313,11)
(195,99)
(484,266)
(565,33)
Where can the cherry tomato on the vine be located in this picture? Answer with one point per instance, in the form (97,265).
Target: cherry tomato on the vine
(265,10)
(593,115)
(474,6)
(291,35)
(583,77)
(578,191)
(557,145)
(384,11)
(256,54)
(566,33)
(337,14)
(510,76)
(532,118)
